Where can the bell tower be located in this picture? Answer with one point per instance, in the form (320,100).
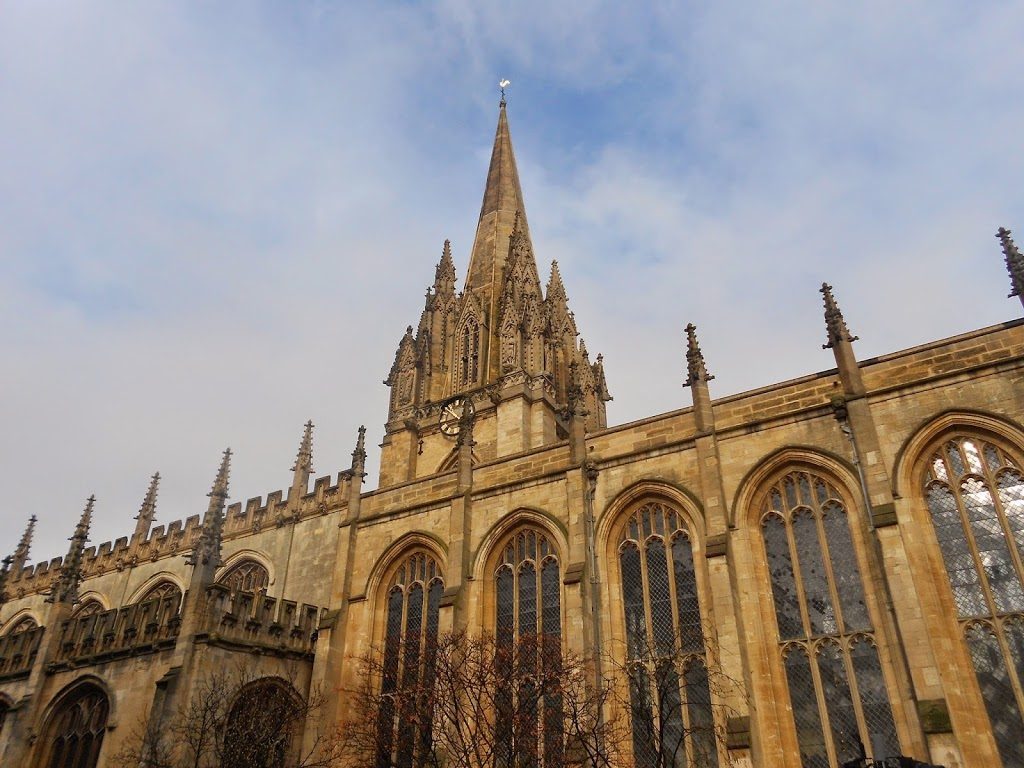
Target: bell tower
(504,343)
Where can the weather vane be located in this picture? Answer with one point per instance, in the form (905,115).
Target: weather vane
(503,85)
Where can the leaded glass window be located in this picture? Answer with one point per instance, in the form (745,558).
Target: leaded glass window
(528,636)
(670,699)
(160,591)
(837,691)
(246,576)
(410,639)
(74,736)
(975,495)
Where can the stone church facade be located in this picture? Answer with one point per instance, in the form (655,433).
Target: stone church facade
(847,548)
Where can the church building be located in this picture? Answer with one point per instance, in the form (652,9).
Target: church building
(845,548)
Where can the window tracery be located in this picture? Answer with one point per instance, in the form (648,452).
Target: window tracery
(528,639)
(247,576)
(87,608)
(670,694)
(24,624)
(410,637)
(161,590)
(837,690)
(260,725)
(76,729)
(975,495)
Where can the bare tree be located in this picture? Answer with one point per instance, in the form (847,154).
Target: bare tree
(475,702)
(236,719)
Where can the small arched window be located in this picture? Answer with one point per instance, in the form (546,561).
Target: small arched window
(246,576)
(528,639)
(24,624)
(837,690)
(87,608)
(74,734)
(975,495)
(161,591)
(671,712)
(410,639)
(261,725)
(469,353)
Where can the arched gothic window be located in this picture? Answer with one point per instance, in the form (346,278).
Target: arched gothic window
(975,494)
(528,639)
(837,690)
(469,353)
(670,696)
(87,608)
(261,725)
(161,590)
(246,576)
(410,640)
(24,624)
(74,735)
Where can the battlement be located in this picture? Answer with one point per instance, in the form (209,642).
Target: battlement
(254,620)
(139,628)
(18,652)
(180,536)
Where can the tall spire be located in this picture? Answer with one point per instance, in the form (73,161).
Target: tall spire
(303,466)
(696,370)
(147,512)
(65,590)
(1014,263)
(444,273)
(207,549)
(835,323)
(22,550)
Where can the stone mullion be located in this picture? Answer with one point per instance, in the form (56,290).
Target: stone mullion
(798,580)
(813,648)
(992,484)
(826,556)
(972,544)
(851,681)
(1016,684)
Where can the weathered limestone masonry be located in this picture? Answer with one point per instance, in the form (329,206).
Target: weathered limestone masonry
(849,545)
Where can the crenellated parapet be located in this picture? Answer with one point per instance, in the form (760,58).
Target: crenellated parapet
(256,621)
(180,536)
(143,627)
(18,652)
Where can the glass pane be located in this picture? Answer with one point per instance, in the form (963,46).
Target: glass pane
(992,458)
(973,456)
(812,571)
(841,716)
(1011,497)
(1014,631)
(787,602)
(551,617)
(527,599)
(804,701)
(997,693)
(963,576)
(633,601)
(687,604)
(874,701)
(661,600)
(993,549)
(505,606)
(845,568)
(645,755)
(702,723)
(669,705)
(956,464)
(410,674)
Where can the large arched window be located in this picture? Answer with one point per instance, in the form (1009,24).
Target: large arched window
(246,576)
(89,607)
(975,495)
(528,644)
(261,725)
(24,624)
(837,690)
(671,713)
(74,734)
(410,638)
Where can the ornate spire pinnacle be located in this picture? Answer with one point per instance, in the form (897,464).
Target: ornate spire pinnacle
(835,323)
(65,590)
(556,289)
(207,549)
(147,512)
(696,370)
(1014,262)
(303,466)
(359,454)
(5,571)
(444,273)
(22,550)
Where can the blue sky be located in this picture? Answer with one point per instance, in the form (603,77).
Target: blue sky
(216,220)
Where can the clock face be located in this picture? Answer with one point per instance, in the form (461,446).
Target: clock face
(451,415)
